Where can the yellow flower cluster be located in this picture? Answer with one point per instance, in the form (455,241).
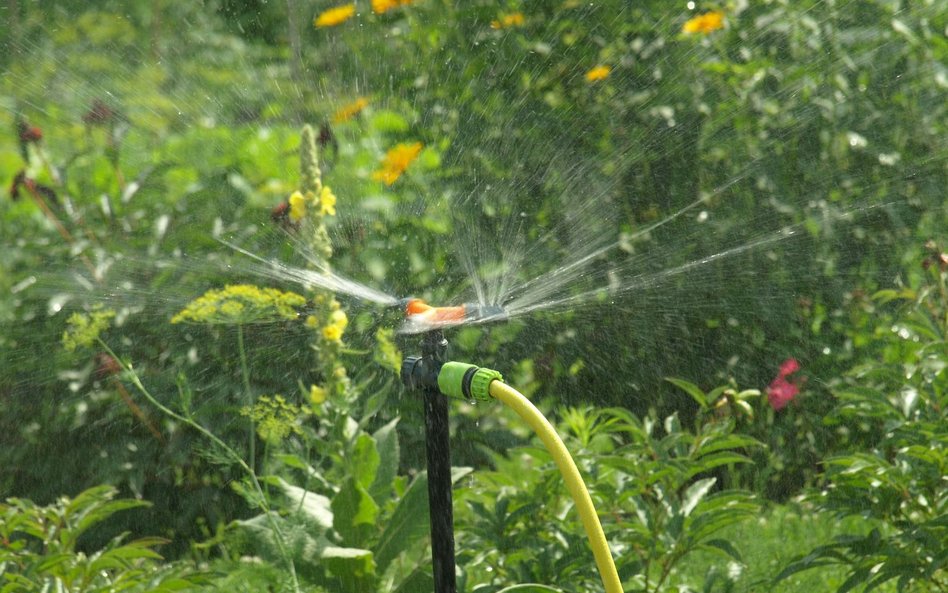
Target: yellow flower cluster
(704,23)
(598,73)
(334,16)
(396,161)
(317,395)
(337,325)
(84,330)
(383,6)
(297,206)
(275,418)
(327,201)
(513,19)
(239,304)
(298,202)
(350,110)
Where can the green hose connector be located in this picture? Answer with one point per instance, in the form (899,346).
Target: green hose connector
(467,381)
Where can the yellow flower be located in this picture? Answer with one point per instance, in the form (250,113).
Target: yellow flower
(339,319)
(514,19)
(704,23)
(383,6)
(332,333)
(396,161)
(275,418)
(327,201)
(84,330)
(312,322)
(347,112)
(241,303)
(297,206)
(334,16)
(598,73)
(317,395)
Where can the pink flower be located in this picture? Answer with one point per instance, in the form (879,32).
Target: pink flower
(788,367)
(781,392)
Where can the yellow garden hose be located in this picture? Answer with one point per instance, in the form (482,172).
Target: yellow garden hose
(574,481)
(462,380)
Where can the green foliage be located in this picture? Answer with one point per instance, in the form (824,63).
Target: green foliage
(898,402)
(158,139)
(41,549)
(653,485)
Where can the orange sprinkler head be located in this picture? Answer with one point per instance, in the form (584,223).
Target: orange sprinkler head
(417,308)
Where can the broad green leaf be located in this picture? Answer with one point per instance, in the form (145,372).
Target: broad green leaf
(420,581)
(365,460)
(695,493)
(315,506)
(691,389)
(530,588)
(354,512)
(386,439)
(408,523)
(724,546)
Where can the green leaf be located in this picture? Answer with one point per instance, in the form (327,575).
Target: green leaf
(408,523)
(695,493)
(353,567)
(420,581)
(314,506)
(691,389)
(714,460)
(386,439)
(354,512)
(725,546)
(365,460)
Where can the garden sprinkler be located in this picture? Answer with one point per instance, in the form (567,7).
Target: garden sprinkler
(436,377)
(421,317)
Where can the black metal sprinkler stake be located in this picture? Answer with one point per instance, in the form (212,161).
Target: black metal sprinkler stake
(422,373)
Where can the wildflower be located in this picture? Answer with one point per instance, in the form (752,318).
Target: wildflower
(84,329)
(396,161)
(275,418)
(241,303)
(781,392)
(347,112)
(704,23)
(598,73)
(317,395)
(383,6)
(327,201)
(339,318)
(297,206)
(513,19)
(332,333)
(312,322)
(334,16)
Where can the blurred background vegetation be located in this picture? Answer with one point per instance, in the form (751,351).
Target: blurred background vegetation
(136,135)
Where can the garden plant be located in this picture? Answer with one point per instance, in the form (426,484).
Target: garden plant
(706,240)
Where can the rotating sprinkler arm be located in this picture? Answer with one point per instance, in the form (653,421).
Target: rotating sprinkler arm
(468,381)
(420,313)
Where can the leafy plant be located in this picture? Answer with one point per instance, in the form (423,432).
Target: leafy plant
(652,486)
(900,404)
(41,549)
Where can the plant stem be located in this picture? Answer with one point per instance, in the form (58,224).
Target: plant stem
(245,373)
(137,382)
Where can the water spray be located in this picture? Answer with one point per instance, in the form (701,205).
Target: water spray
(436,377)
